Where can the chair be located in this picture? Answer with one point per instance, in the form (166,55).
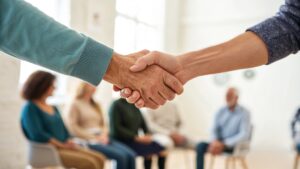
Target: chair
(43,155)
(297,158)
(239,154)
(46,156)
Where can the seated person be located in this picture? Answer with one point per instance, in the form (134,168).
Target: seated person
(42,123)
(128,126)
(296,130)
(85,120)
(231,126)
(166,120)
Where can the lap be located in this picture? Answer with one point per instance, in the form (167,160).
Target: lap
(145,149)
(80,158)
(113,149)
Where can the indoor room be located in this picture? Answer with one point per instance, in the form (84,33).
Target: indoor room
(265,95)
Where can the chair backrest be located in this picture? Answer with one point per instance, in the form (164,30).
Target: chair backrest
(243,148)
(43,155)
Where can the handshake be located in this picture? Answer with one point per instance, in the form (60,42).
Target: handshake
(146,79)
(149,79)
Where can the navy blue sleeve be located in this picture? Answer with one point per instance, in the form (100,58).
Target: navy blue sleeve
(281,33)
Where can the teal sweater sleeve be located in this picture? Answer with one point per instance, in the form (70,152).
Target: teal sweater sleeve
(28,34)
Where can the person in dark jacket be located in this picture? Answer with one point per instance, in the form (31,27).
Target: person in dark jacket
(128,126)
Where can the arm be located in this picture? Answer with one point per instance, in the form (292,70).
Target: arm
(245,51)
(242,135)
(73,117)
(28,34)
(281,32)
(214,134)
(32,125)
(271,40)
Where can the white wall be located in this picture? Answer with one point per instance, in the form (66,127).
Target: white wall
(100,28)
(12,143)
(272,97)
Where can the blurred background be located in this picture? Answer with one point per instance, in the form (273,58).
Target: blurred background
(271,93)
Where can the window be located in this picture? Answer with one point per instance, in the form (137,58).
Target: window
(139,25)
(59,10)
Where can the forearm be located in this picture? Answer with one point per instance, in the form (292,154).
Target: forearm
(245,51)
(28,34)
(56,143)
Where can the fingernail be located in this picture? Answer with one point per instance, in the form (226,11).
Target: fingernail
(135,94)
(133,67)
(126,91)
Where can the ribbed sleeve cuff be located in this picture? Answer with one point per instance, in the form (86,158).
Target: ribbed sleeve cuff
(277,38)
(93,62)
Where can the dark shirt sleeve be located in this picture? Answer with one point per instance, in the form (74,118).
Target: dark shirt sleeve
(119,130)
(281,33)
(32,125)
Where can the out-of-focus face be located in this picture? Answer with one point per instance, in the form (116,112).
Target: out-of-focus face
(50,90)
(231,97)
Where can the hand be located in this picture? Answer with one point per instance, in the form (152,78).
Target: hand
(166,61)
(69,145)
(178,139)
(216,147)
(103,138)
(147,139)
(154,85)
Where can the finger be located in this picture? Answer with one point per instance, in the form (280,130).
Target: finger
(140,53)
(158,99)
(167,93)
(148,101)
(166,61)
(134,97)
(125,93)
(143,62)
(151,104)
(116,88)
(173,83)
(140,103)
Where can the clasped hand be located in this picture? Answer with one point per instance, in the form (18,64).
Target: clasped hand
(138,75)
(150,78)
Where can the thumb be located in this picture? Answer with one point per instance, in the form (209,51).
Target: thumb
(139,54)
(143,62)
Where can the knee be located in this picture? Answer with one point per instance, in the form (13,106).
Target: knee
(120,158)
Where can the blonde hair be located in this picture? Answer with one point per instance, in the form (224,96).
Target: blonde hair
(79,94)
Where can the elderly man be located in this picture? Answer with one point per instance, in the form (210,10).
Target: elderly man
(166,121)
(231,126)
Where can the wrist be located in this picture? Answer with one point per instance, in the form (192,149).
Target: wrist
(183,75)
(113,70)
